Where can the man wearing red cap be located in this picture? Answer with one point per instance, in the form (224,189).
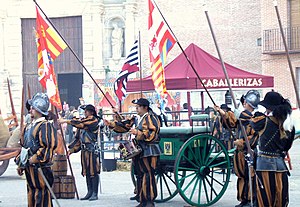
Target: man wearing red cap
(85,140)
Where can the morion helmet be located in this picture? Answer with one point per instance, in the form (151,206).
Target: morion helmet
(40,102)
(252,97)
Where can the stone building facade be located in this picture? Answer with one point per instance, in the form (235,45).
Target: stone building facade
(237,25)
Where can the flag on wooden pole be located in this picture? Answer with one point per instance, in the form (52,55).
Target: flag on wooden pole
(131,65)
(49,45)
(161,41)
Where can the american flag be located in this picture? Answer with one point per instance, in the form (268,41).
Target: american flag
(130,66)
(161,41)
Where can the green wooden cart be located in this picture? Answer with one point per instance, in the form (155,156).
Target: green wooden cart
(194,164)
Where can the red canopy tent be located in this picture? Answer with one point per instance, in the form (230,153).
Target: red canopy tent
(171,100)
(104,102)
(180,76)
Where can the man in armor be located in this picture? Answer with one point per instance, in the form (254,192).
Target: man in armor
(146,133)
(250,102)
(86,141)
(276,135)
(37,151)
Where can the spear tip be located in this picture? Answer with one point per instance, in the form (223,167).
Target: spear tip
(205,7)
(275,2)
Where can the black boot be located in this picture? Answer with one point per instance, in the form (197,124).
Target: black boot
(242,204)
(135,198)
(95,184)
(138,188)
(150,204)
(89,188)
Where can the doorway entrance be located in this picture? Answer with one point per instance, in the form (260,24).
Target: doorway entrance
(70,88)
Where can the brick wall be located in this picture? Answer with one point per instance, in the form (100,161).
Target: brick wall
(277,65)
(236,25)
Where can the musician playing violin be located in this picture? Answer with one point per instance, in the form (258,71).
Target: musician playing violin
(146,133)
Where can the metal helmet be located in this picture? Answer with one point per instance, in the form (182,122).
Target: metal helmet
(40,102)
(252,97)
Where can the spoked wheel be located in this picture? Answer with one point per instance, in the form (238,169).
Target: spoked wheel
(3,166)
(166,186)
(207,169)
(165,182)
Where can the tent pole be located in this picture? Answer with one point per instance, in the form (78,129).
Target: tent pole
(189,106)
(202,101)
(140,63)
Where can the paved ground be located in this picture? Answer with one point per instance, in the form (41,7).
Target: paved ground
(117,188)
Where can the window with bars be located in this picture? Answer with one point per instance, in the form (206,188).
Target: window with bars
(272,40)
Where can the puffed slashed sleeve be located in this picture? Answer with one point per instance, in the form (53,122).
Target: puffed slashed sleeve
(258,121)
(150,128)
(230,119)
(121,126)
(82,123)
(75,145)
(47,143)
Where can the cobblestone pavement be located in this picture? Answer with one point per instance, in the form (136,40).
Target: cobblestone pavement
(117,188)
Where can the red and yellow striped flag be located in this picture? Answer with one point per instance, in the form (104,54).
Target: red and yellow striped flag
(49,45)
(161,42)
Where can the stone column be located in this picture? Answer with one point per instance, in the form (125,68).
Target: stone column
(3,69)
(92,47)
(97,39)
(2,57)
(130,35)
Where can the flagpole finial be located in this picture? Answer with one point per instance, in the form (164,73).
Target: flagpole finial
(205,7)
(275,3)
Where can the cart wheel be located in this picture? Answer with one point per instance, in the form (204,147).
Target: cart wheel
(207,166)
(3,166)
(166,186)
